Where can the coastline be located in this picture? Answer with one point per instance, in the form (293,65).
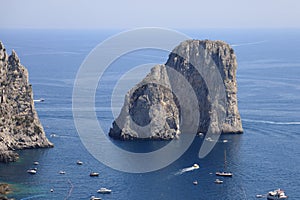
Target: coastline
(5,189)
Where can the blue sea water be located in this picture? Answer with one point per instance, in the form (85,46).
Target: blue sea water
(264,158)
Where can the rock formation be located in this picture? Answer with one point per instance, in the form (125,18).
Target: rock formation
(156,107)
(20,127)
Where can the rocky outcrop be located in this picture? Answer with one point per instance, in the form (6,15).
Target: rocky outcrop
(20,127)
(156,107)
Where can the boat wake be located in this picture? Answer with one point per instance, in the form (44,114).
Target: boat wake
(187,169)
(271,122)
(248,43)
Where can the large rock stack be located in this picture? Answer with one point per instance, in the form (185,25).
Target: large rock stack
(153,105)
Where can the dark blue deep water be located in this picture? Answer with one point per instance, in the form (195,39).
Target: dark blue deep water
(264,158)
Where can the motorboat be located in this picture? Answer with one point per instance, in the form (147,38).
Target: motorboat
(195,182)
(61,172)
(209,139)
(39,100)
(196,166)
(276,194)
(94,174)
(104,191)
(79,162)
(31,171)
(95,198)
(36,163)
(200,134)
(218,181)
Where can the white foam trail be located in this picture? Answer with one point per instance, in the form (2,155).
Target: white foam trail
(248,43)
(271,122)
(188,169)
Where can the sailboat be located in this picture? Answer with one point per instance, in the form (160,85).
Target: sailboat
(224,173)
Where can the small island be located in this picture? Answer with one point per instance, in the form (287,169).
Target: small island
(20,127)
(152,104)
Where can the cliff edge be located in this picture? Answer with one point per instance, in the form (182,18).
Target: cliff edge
(20,127)
(152,110)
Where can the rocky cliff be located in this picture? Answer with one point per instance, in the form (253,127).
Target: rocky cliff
(156,107)
(20,127)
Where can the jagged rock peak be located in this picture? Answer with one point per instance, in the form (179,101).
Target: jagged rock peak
(13,59)
(20,127)
(187,58)
(1,45)
(3,54)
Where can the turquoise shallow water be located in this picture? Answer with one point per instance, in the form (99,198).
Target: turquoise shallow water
(264,158)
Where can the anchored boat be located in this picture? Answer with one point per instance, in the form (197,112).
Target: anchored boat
(224,173)
(276,194)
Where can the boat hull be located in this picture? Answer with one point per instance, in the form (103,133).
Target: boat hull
(224,174)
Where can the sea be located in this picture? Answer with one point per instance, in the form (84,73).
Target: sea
(264,158)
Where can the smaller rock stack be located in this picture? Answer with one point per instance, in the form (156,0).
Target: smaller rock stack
(20,127)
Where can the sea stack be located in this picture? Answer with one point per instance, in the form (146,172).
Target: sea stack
(20,127)
(153,110)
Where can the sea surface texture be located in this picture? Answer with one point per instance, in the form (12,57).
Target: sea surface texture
(264,158)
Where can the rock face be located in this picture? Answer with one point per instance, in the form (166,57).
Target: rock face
(20,127)
(152,110)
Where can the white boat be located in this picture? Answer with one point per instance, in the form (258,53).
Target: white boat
(200,134)
(31,171)
(209,139)
(79,162)
(196,166)
(104,191)
(36,163)
(195,182)
(223,173)
(218,181)
(95,198)
(61,172)
(94,174)
(276,194)
(39,100)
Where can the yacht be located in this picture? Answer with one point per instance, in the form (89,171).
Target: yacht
(39,100)
(95,198)
(31,171)
(94,174)
(79,162)
(104,191)
(276,194)
(223,173)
